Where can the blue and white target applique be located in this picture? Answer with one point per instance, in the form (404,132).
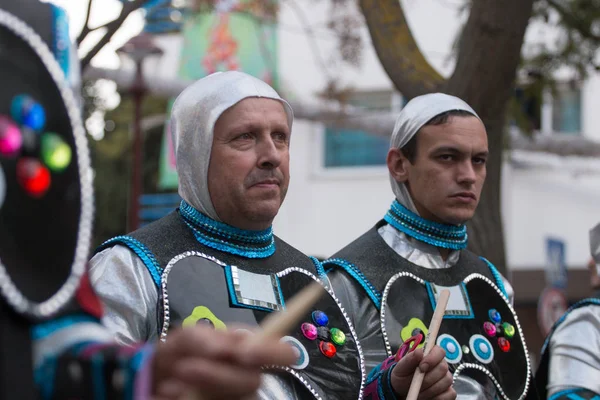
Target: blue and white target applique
(482,348)
(302,361)
(451,347)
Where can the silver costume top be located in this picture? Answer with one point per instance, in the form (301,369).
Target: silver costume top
(128,292)
(428,256)
(575,352)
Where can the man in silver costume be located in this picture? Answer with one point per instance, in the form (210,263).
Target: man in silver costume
(215,261)
(570,362)
(437,165)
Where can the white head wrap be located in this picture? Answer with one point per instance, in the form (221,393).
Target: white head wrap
(193,118)
(413,117)
(595,243)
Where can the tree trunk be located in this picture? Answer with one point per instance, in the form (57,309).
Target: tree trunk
(484,77)
(397,50)
(486,66)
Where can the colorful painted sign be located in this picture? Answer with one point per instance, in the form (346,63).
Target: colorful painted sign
(236,35)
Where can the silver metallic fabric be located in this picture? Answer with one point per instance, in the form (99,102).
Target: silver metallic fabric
(193,118)
(129,295)
(413,117)
(428,256)
(575,352)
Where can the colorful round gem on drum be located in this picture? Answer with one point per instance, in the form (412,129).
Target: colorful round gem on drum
(508,329)
(56,154)
(489,329)
(33,177)
(28,112)
(504,344)
(337,336)
(320,318)
(10,137)
(327,349)
(494,315)
(309,331)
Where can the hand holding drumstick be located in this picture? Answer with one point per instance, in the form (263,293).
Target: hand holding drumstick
(424,374)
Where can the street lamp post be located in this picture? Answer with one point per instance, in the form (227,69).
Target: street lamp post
(137,49)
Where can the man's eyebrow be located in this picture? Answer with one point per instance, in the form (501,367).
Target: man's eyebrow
(456,150)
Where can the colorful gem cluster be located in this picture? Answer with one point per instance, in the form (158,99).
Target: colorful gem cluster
(504,331)
(328,337)
(22,135)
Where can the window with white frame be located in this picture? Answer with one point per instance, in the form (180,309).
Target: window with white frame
(353,148)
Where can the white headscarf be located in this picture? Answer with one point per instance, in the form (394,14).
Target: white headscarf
(413,117)
(595,243)
(193,118)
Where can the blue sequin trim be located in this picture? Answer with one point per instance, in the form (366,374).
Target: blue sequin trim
(98,376)
(44,377)
(497,277)
(218,235)
(141,251)
(572,394)
(389,385)
(46,329)
(373,293)
(224,230)
(281,299)
(580,303)
(318,266)
(439,235)
(61,44)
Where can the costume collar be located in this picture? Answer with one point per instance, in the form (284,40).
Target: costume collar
(226,238)
(439,235)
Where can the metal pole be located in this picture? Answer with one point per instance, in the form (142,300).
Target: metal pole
(137,161)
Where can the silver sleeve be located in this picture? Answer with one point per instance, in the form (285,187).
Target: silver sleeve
(575,352)
(128,293)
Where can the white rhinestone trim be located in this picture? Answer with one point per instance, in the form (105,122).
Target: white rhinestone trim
(7,287)
(384,297)
(519,330)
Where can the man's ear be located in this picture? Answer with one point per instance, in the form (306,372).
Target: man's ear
(397,165)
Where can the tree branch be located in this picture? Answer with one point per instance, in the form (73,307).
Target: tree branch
(86,25)
(111,28)
(397,50)
(573,21)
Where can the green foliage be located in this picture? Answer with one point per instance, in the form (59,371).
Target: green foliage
(112,157)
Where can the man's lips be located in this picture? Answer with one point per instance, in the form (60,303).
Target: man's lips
(467,196)
(267,183)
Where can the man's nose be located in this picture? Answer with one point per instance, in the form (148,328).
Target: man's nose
(269,155)
(466,172)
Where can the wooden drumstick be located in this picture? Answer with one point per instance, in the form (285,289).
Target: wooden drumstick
(278,324)
(434,327)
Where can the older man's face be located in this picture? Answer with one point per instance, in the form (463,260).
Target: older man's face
(248,174)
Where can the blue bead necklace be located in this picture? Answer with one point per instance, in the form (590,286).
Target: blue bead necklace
(440,235)
(226,238)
